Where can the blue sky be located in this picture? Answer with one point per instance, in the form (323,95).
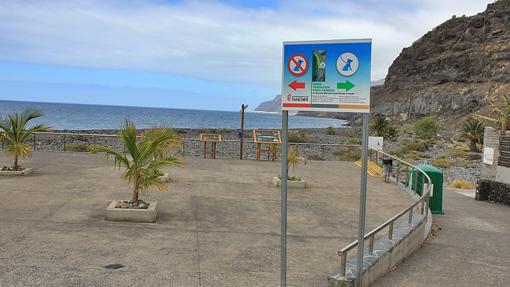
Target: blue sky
(188,54)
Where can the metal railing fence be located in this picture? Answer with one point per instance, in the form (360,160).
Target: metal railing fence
(395,175)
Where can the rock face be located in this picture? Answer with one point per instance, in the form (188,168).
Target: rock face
(270,106)
(451,68)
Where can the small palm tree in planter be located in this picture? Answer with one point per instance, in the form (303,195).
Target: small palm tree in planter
(293,160)
(142,169)
(15,131)
(166,148)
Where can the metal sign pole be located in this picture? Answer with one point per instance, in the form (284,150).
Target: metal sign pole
(283,201)
(241,135)
(362,202)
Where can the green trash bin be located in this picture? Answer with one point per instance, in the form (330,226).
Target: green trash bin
(436,176)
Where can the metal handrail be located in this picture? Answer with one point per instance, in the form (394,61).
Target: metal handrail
(370,236)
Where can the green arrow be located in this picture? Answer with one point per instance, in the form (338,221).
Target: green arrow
(346,86)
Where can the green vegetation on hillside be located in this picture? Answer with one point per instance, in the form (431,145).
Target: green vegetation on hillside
(426,128)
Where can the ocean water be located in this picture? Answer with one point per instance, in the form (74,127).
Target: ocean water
(97,117)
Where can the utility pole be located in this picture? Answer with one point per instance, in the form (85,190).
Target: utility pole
(241,133)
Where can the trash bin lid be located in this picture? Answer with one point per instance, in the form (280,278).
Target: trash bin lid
(429,168)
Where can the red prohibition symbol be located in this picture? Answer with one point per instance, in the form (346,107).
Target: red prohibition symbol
(297,65)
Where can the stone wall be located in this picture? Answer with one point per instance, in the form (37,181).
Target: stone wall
(491,140)
(494,191)
(504,151)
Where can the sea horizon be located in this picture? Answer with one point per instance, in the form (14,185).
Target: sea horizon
(74,116)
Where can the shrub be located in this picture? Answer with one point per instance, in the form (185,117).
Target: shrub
(299,137)
(348,153)
(414,150)
(426,128)
(391,133)
(420,146)
(456,152)
(330,131)
(78,147)
(442,162)
(465,163)
(405,152)
(461,183)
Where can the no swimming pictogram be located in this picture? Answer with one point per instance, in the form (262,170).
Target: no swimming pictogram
(297,65)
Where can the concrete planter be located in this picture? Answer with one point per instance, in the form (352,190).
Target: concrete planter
(148,215)
(165,177)
(290,183)
(26,171)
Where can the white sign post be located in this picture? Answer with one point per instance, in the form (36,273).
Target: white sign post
(328,76)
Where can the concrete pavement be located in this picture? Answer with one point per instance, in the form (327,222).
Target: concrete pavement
(472,248)
(218,224)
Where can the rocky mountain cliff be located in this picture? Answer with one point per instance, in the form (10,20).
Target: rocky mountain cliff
(272,106)
(452,68)
(447,72)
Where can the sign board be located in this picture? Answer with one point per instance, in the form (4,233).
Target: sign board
(267,136)
(210,137)
(488,155)
(376,143)
(329,76)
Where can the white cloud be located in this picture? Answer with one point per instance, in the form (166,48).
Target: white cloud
(208,40)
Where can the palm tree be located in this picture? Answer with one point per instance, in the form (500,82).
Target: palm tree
(501,116)
(16,133)
(473,130)
(141,163)
(293,159)
(379,125)
(166,147)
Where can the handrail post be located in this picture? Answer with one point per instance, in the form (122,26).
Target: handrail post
(416,183)
(390,231)
(397,176)
(64,142)
(427,198)
(410,221)
(33,146)
(371,244)
(343,263)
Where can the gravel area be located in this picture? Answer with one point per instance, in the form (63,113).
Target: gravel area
(229,148)
(316,144)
